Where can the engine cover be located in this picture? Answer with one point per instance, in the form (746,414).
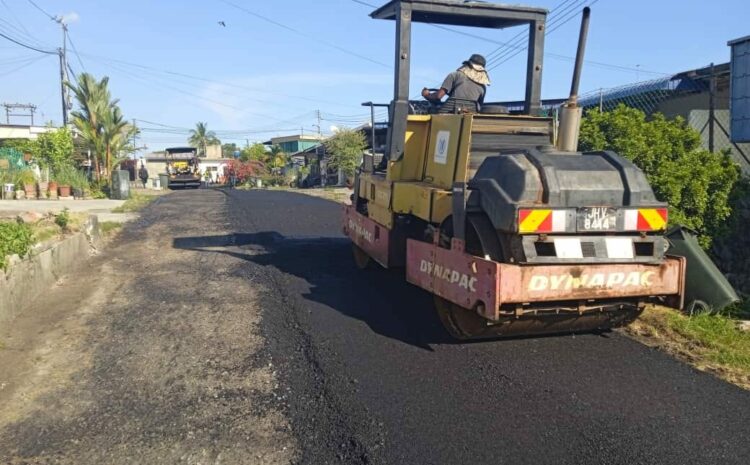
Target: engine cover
(540,178)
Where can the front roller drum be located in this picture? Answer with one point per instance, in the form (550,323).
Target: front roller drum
(463,323)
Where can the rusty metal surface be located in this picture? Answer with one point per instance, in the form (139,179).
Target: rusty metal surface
(471,281)
(576,282)
(367,234)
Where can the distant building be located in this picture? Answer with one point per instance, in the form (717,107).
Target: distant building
(21,131)
(296,143)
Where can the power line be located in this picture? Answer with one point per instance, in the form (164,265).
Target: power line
(28,62)
(306,35)
(517,40)
(48,52)
(40,9)
(75,50)
(549,31)
(521,43)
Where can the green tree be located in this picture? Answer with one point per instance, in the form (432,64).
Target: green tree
(693,181)
(227,150)
(345,149)
(100,122)
(55,148)
(277,158)
(201,138)
(93,100)
(256,152)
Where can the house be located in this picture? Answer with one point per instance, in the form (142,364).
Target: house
(22,131)
(296,143)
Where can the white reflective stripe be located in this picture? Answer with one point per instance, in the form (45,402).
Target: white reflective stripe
(619,247)
(558,220)
(568,247)
(631,220)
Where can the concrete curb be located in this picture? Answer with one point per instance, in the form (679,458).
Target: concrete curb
(32,276)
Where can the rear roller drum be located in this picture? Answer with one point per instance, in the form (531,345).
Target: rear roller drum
(482,240)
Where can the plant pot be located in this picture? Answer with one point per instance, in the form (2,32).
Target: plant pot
(20,195)
(52,189)
(30,190)
(64,191)
(42,189)
(77,193)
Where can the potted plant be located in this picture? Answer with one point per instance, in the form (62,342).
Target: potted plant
(27,182)
(65,177)
(52,188)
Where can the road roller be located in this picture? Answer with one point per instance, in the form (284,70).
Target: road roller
(497,214)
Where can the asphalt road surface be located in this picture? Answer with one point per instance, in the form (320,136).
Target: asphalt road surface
(373,378)
(232,327)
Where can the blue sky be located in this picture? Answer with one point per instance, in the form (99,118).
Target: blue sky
(278,62)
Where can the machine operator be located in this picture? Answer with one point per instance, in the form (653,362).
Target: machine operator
(465,87)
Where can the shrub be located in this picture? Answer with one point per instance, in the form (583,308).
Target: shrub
(694,182)
(271,180)
(62,219)
(15,238)
(345,150)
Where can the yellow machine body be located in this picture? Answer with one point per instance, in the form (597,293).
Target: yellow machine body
(437,153)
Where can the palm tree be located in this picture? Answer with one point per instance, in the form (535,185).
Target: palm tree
(93,101)
(116,133)
(201,138)
(100,121)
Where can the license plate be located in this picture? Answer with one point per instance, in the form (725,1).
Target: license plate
(597,219)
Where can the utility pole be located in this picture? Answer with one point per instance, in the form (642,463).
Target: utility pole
(135,140)
(317,114)
(62,52)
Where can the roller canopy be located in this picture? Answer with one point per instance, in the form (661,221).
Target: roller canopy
(475,14)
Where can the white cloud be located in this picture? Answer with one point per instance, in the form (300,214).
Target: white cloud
(69,18)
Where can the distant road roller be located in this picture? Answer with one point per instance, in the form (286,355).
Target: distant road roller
(511,229)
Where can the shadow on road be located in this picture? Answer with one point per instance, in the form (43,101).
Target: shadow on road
(380,298)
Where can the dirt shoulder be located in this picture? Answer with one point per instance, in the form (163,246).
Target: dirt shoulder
(151,354)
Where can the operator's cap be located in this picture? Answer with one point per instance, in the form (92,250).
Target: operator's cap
(477,62)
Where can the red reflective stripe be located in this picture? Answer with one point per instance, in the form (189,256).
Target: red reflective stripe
(663,213)
(642,223)
(522,214)
(546,225)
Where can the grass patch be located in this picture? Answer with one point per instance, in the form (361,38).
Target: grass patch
(713,343)
(108,228)
(136,202)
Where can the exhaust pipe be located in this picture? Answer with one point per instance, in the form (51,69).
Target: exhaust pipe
(570,112)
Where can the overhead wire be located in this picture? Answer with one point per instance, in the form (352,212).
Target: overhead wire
(521,44)
(17,42)
(28,62)
(306,35)
(570,17)
(75,51)
(519,39)
(33,3)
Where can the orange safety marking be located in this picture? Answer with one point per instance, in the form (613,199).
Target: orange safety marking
(530,221)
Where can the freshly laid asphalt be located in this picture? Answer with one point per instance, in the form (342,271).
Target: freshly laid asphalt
(373,378)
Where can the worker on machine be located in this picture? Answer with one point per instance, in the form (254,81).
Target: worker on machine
(465,87)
